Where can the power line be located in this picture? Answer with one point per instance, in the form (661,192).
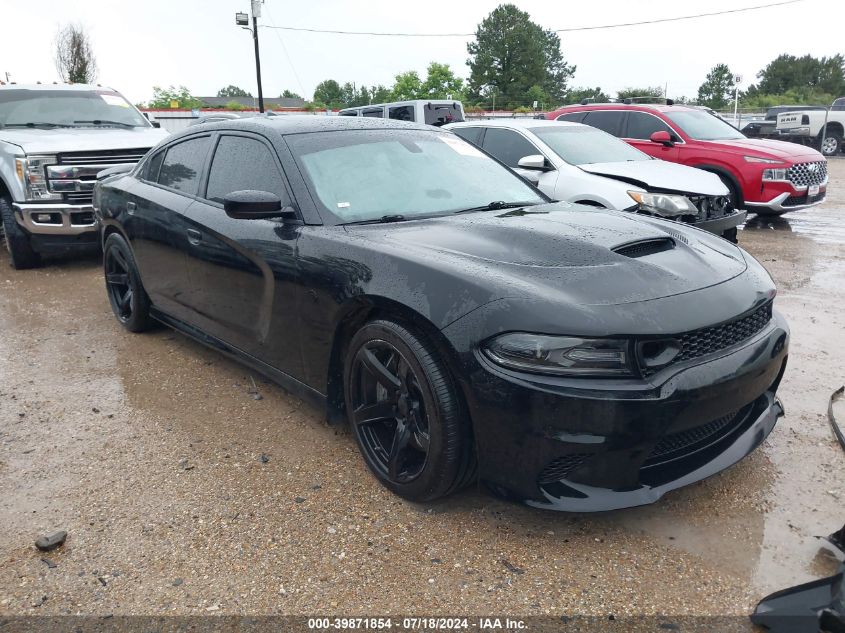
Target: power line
(569,30)
(290,63)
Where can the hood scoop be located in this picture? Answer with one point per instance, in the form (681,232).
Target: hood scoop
(642,248)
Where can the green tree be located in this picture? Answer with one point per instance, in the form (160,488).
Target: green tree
(577,95)
(718,88)
(510,54)
(788,72)
(408,85)
(232,91)
(633,92)
(287,94)
(441,83)
(163,98)
(328,92)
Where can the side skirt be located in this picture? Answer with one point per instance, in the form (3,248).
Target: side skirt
(287,382)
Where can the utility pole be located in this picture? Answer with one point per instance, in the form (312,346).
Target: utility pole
(256,12)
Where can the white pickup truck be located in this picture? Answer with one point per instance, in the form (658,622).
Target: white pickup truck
(805,126)
(54,140)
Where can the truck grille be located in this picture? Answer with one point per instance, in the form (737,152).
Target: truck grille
(806,174)
(75,173)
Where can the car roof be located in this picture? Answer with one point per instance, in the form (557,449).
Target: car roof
(659,107)
(55,86)
(511,123)
(304,123)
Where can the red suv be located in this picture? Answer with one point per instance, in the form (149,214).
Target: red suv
(765,176)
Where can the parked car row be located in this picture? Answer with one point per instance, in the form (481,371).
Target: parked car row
(463,323)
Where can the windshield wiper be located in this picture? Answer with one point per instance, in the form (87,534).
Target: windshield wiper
(496,205)
(385,219)
(34,124)
(106,122)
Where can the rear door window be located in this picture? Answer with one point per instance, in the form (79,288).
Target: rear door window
(471,134)
(401,113)
(182,165)
(642,125)
(508,146)
(575,117)
(349,113)
(441,114)
(374,112)
(608,120)
(243,163)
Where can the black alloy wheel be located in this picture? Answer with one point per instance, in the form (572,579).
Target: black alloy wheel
(406,414)
(129,302)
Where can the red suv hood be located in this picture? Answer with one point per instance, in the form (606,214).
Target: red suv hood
(768,148)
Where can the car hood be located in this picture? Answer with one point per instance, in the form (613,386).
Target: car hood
(661,175)
(769,148)
(563,252)
(41,141)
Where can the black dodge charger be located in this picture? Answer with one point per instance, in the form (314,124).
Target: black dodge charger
(463,324)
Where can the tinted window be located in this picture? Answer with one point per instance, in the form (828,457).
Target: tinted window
(839,104)
(471,134)
(441,114)
(183,163)
(243,163)
(575,117)
(642,125)
(606,120)
(508,146)
(349,113)
(376,112)
(153,165)
(401,113)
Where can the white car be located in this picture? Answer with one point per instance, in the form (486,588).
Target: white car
(579,163)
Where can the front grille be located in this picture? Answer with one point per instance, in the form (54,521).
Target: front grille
(713,339)
(560,468)
(806,174)
(645,247)
(796,201)
(103,157)
(685,441)
(81,197)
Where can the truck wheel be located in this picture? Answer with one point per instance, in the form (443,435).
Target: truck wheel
(17,242)
(832,144)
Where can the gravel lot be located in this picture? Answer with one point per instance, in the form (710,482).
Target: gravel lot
(148,450)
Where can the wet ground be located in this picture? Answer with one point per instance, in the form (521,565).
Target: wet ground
(148,450)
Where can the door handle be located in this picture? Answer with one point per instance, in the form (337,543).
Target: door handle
(130,207)
(194,237)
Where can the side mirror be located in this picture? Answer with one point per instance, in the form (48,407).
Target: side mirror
(155,124)
(255,205)
(663,137)
(535,162)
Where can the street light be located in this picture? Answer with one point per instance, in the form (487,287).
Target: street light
(242,20)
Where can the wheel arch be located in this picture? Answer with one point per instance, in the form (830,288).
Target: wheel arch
(727,173)
(834,126)
(352,316)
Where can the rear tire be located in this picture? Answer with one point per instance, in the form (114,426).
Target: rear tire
(831,145)
(17,241)
(129,301)
(406,413)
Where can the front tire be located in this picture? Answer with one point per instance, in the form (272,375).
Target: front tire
(129,301)
(406,413)
(17,241)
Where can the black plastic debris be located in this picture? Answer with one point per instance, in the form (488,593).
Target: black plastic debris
(837,431)
(809,608)
(51,541)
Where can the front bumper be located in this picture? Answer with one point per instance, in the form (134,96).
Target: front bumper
(722,224)
(789,202)
(56,219)
(584,445)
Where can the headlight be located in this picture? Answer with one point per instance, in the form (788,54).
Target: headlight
(561,355)
(664,204)
(32,175)
(757,159)
(774,174)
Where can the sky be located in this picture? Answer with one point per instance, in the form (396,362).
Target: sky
(196,43)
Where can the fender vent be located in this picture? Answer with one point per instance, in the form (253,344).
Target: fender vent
(645,247)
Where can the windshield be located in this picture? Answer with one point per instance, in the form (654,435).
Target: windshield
(67,108)
(361,175)
(585,145)
(703,126)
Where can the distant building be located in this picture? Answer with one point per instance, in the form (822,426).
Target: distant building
(252,102)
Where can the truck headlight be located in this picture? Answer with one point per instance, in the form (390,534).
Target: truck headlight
(663,204)
(560,355)
(770,175)
(33,176)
